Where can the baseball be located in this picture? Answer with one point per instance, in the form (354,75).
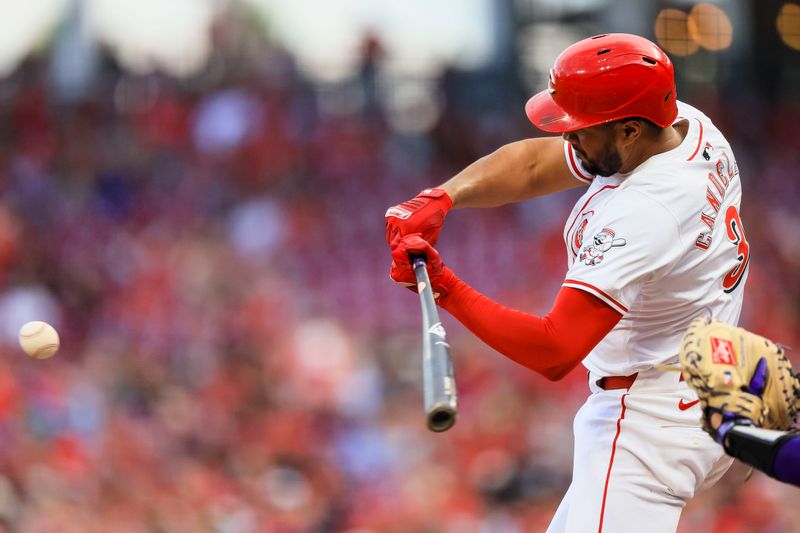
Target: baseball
(39,339)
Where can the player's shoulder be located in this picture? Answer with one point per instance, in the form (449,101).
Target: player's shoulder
(688,163)
(705,129)
(688,111)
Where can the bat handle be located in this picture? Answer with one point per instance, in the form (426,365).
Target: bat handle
(419,264)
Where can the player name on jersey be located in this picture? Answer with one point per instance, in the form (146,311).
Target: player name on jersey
(725,173)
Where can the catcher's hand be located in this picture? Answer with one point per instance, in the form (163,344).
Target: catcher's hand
(740,377)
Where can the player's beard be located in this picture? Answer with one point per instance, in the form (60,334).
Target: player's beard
(607,164)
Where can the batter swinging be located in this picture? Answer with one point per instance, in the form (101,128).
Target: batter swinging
(655,241)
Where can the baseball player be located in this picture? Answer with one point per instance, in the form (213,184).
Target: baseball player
(655,241)
(749,395)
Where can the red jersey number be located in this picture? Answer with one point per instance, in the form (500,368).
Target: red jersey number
(733,225)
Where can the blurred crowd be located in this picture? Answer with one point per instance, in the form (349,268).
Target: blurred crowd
(234,357)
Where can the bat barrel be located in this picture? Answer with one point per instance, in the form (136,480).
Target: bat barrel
(437,367)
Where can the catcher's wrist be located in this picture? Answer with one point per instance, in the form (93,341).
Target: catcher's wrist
(722,431)
(756,446)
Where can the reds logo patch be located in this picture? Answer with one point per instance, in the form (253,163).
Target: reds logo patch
(601,243)
(722,351)
(575,240)
(578,237)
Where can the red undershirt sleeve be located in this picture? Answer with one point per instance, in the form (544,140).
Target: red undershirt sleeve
(551,345)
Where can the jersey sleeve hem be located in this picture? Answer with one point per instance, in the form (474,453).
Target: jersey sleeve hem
(574,165)
(588,287)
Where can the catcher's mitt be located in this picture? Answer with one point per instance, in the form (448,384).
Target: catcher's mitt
(740,377)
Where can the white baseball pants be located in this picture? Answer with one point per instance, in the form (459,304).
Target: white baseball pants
(640,455)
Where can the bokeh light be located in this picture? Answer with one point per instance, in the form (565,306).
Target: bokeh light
(23,26)
(416,35)
(672,33)
(710,27)
(788,24)
(147,35)
(682,34)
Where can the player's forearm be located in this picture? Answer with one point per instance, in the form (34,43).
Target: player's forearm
(551,345)
(512,173)
(787,460)
(776,453)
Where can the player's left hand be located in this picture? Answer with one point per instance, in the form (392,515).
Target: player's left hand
(402,272)
(424,214)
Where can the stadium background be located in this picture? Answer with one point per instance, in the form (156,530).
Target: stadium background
(193,194)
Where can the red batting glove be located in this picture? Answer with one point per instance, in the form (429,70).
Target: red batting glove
(402,272)
(423,214)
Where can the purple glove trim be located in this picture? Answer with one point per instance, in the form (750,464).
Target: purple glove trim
(728,421)
(759,380)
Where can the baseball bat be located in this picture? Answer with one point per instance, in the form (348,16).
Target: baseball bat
(439,382)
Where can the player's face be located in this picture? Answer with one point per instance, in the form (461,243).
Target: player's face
(596,149)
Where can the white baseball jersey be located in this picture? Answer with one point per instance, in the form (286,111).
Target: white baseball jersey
(662,244)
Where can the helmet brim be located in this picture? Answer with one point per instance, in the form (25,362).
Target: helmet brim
(548,116)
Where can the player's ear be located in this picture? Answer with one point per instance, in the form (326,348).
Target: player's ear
(633,128)
(630,130)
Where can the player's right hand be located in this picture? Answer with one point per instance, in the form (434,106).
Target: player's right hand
(423,214)
(402,272)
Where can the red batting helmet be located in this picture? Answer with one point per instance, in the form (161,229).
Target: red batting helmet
(606,78)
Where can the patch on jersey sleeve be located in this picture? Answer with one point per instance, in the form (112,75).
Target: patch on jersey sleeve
(604,241)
